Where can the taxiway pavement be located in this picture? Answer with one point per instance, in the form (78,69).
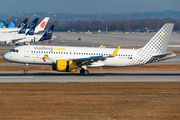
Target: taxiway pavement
(93,77)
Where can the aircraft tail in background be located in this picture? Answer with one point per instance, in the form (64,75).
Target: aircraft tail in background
(41,26)
(33,23)
(48,34)
(12,24)
(23,30)
(2,23)
(23,23)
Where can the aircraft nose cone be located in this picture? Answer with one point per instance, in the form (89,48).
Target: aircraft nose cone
(6,56)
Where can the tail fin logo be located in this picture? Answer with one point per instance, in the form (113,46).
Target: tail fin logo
(49,32)
(43,24)
(22,24)
(31,25)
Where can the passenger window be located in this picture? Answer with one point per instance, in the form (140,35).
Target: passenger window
(66,52)
(41,51)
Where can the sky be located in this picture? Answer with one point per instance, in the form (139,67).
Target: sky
(88,6)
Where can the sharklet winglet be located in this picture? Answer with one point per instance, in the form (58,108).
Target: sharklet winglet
(116,51)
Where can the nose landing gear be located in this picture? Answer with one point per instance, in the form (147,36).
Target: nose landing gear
(25,71)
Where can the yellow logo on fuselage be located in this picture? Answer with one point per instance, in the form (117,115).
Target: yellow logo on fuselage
(58,49)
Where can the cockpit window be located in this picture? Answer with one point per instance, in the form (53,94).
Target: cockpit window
(11,50)
(14,50)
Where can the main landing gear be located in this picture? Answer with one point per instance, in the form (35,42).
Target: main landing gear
(84,71)
(25,71)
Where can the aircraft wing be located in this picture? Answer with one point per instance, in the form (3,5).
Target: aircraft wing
(92,59)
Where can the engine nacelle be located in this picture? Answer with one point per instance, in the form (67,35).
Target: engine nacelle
(64,66)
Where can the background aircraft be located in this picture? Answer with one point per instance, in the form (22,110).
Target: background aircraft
(9,38)
(8,30)
(146,30)
(35,38)
(39,28)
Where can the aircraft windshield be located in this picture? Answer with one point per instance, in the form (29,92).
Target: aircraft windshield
(14,50)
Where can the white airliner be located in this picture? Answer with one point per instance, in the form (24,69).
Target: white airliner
(68,59)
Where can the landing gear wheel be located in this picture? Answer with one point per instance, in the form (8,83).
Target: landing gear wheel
(82,71)
(25,71)
(86,72)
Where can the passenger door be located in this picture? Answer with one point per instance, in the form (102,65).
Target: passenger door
(26,52)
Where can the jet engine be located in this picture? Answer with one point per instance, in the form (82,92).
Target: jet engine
(64,66)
